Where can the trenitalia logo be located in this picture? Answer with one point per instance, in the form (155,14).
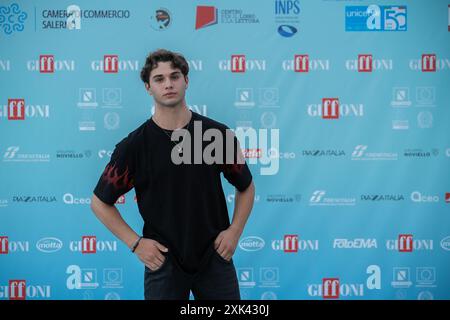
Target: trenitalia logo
(366,63)
(429,63)
(318,199)
(112,64)
(252,244)
(17,110)
(239,64)
(331,108)
(291,244)
(18,290)
(302,63)
(49,245)
(48,64)
(406,243)
(89,244)
(7,246)
(360,153)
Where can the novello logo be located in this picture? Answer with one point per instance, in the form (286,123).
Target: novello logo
(252,244)
(49,245)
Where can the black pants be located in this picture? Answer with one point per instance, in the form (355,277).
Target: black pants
(216,281)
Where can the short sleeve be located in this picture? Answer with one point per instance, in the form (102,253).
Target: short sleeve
(236,172)
(118,175)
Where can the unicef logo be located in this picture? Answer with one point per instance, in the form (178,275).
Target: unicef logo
(160,20)
(12,18)
(252,244)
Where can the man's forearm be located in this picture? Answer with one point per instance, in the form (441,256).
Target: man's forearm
(111,218)
(242,208)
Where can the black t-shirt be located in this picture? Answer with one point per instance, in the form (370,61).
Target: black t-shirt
(183,206)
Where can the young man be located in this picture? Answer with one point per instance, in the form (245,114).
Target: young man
(187,242)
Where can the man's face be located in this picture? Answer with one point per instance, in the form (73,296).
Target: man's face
(167,85)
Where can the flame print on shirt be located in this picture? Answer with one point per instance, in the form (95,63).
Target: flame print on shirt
(118,181)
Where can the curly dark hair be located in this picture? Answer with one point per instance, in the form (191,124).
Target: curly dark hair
(163,55)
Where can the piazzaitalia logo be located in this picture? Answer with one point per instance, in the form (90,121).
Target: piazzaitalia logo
(319,153)
(382,197)
(74,17)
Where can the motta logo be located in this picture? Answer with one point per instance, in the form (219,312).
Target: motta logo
(112,64)
(18,290)
(16,109)
(240,64)
(90,245)
(302,63)
(7,246)
(49,245)
(48,64)
(292,244)
(252,243)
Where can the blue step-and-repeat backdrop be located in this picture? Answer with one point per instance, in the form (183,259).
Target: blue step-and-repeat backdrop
(352,188)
